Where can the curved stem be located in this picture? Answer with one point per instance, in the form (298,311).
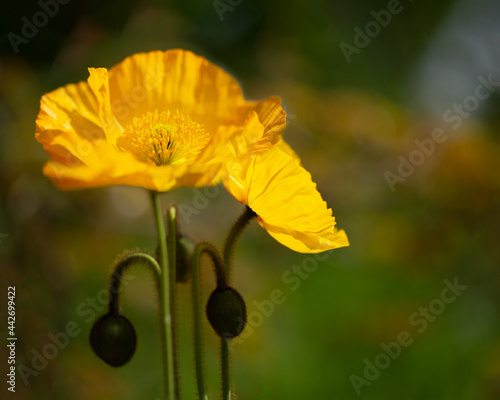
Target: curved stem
(220,274)
(116,279)
(165,303)
(233,236)
(198,347)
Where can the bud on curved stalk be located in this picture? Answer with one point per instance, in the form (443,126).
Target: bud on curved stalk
(113,339)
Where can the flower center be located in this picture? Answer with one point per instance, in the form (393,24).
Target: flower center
(163,138)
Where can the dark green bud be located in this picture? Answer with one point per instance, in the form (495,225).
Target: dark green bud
(226,312)
(113,339)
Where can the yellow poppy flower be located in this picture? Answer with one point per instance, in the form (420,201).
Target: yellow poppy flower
(284,197)
(157,120)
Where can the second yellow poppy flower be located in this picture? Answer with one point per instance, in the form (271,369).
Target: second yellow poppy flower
(283,195)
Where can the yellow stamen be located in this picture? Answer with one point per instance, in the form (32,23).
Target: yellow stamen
(163,138)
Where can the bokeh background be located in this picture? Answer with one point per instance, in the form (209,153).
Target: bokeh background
(351,119)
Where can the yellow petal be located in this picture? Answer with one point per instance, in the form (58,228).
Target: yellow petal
(68,122)
(99,83)
(287,203)
(175,80)
(273,117)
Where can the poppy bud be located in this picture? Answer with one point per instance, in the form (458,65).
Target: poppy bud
(113,339)
(226,312)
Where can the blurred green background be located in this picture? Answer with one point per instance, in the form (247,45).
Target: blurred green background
(351,119)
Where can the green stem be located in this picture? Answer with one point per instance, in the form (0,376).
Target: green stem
(198,346)
(224,358)
(165,303)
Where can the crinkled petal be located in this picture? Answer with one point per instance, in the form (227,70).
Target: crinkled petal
(98,81)
(273,118)
(175,80)
(287,203)
(307,242)
(68,122)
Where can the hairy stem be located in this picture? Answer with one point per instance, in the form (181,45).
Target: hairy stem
(165,303)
